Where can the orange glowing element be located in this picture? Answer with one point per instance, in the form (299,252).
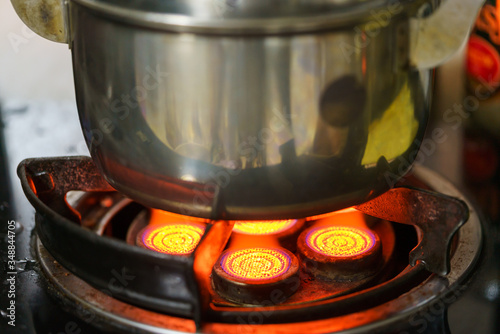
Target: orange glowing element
(164,217)
(342,212)
(176,239)
(340,241)
(263,227)
(256,264)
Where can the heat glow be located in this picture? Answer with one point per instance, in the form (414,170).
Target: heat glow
(263,227)
(175,239)
(256,264)
(340,241)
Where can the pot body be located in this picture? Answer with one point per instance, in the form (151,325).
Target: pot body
(248,126)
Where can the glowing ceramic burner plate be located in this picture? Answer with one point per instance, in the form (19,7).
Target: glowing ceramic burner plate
(175,239)
(250,275)
(256,263)
(340,253)
(263,227)
(340,241)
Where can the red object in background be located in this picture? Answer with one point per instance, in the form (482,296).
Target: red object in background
(483,60)
(480,159)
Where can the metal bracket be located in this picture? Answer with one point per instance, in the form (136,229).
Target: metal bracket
(436,215)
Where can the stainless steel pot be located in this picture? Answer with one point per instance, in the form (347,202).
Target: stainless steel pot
(252,109)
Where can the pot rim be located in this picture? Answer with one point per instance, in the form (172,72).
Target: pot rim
(181,17)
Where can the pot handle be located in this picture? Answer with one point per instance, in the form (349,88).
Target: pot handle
(47,18)
(435,38)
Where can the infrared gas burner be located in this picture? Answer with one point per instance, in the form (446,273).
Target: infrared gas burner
(247,275)
(341,253)
(343,271)
(174,239)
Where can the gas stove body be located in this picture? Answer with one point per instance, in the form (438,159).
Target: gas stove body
(46,288)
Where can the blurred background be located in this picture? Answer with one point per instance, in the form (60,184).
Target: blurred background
(36,92)
(31,68)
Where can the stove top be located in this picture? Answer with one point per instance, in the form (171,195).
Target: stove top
(80,308)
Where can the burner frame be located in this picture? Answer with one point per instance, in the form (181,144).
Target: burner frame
(338,307)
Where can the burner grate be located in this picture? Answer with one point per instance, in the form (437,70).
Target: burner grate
(45,185)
